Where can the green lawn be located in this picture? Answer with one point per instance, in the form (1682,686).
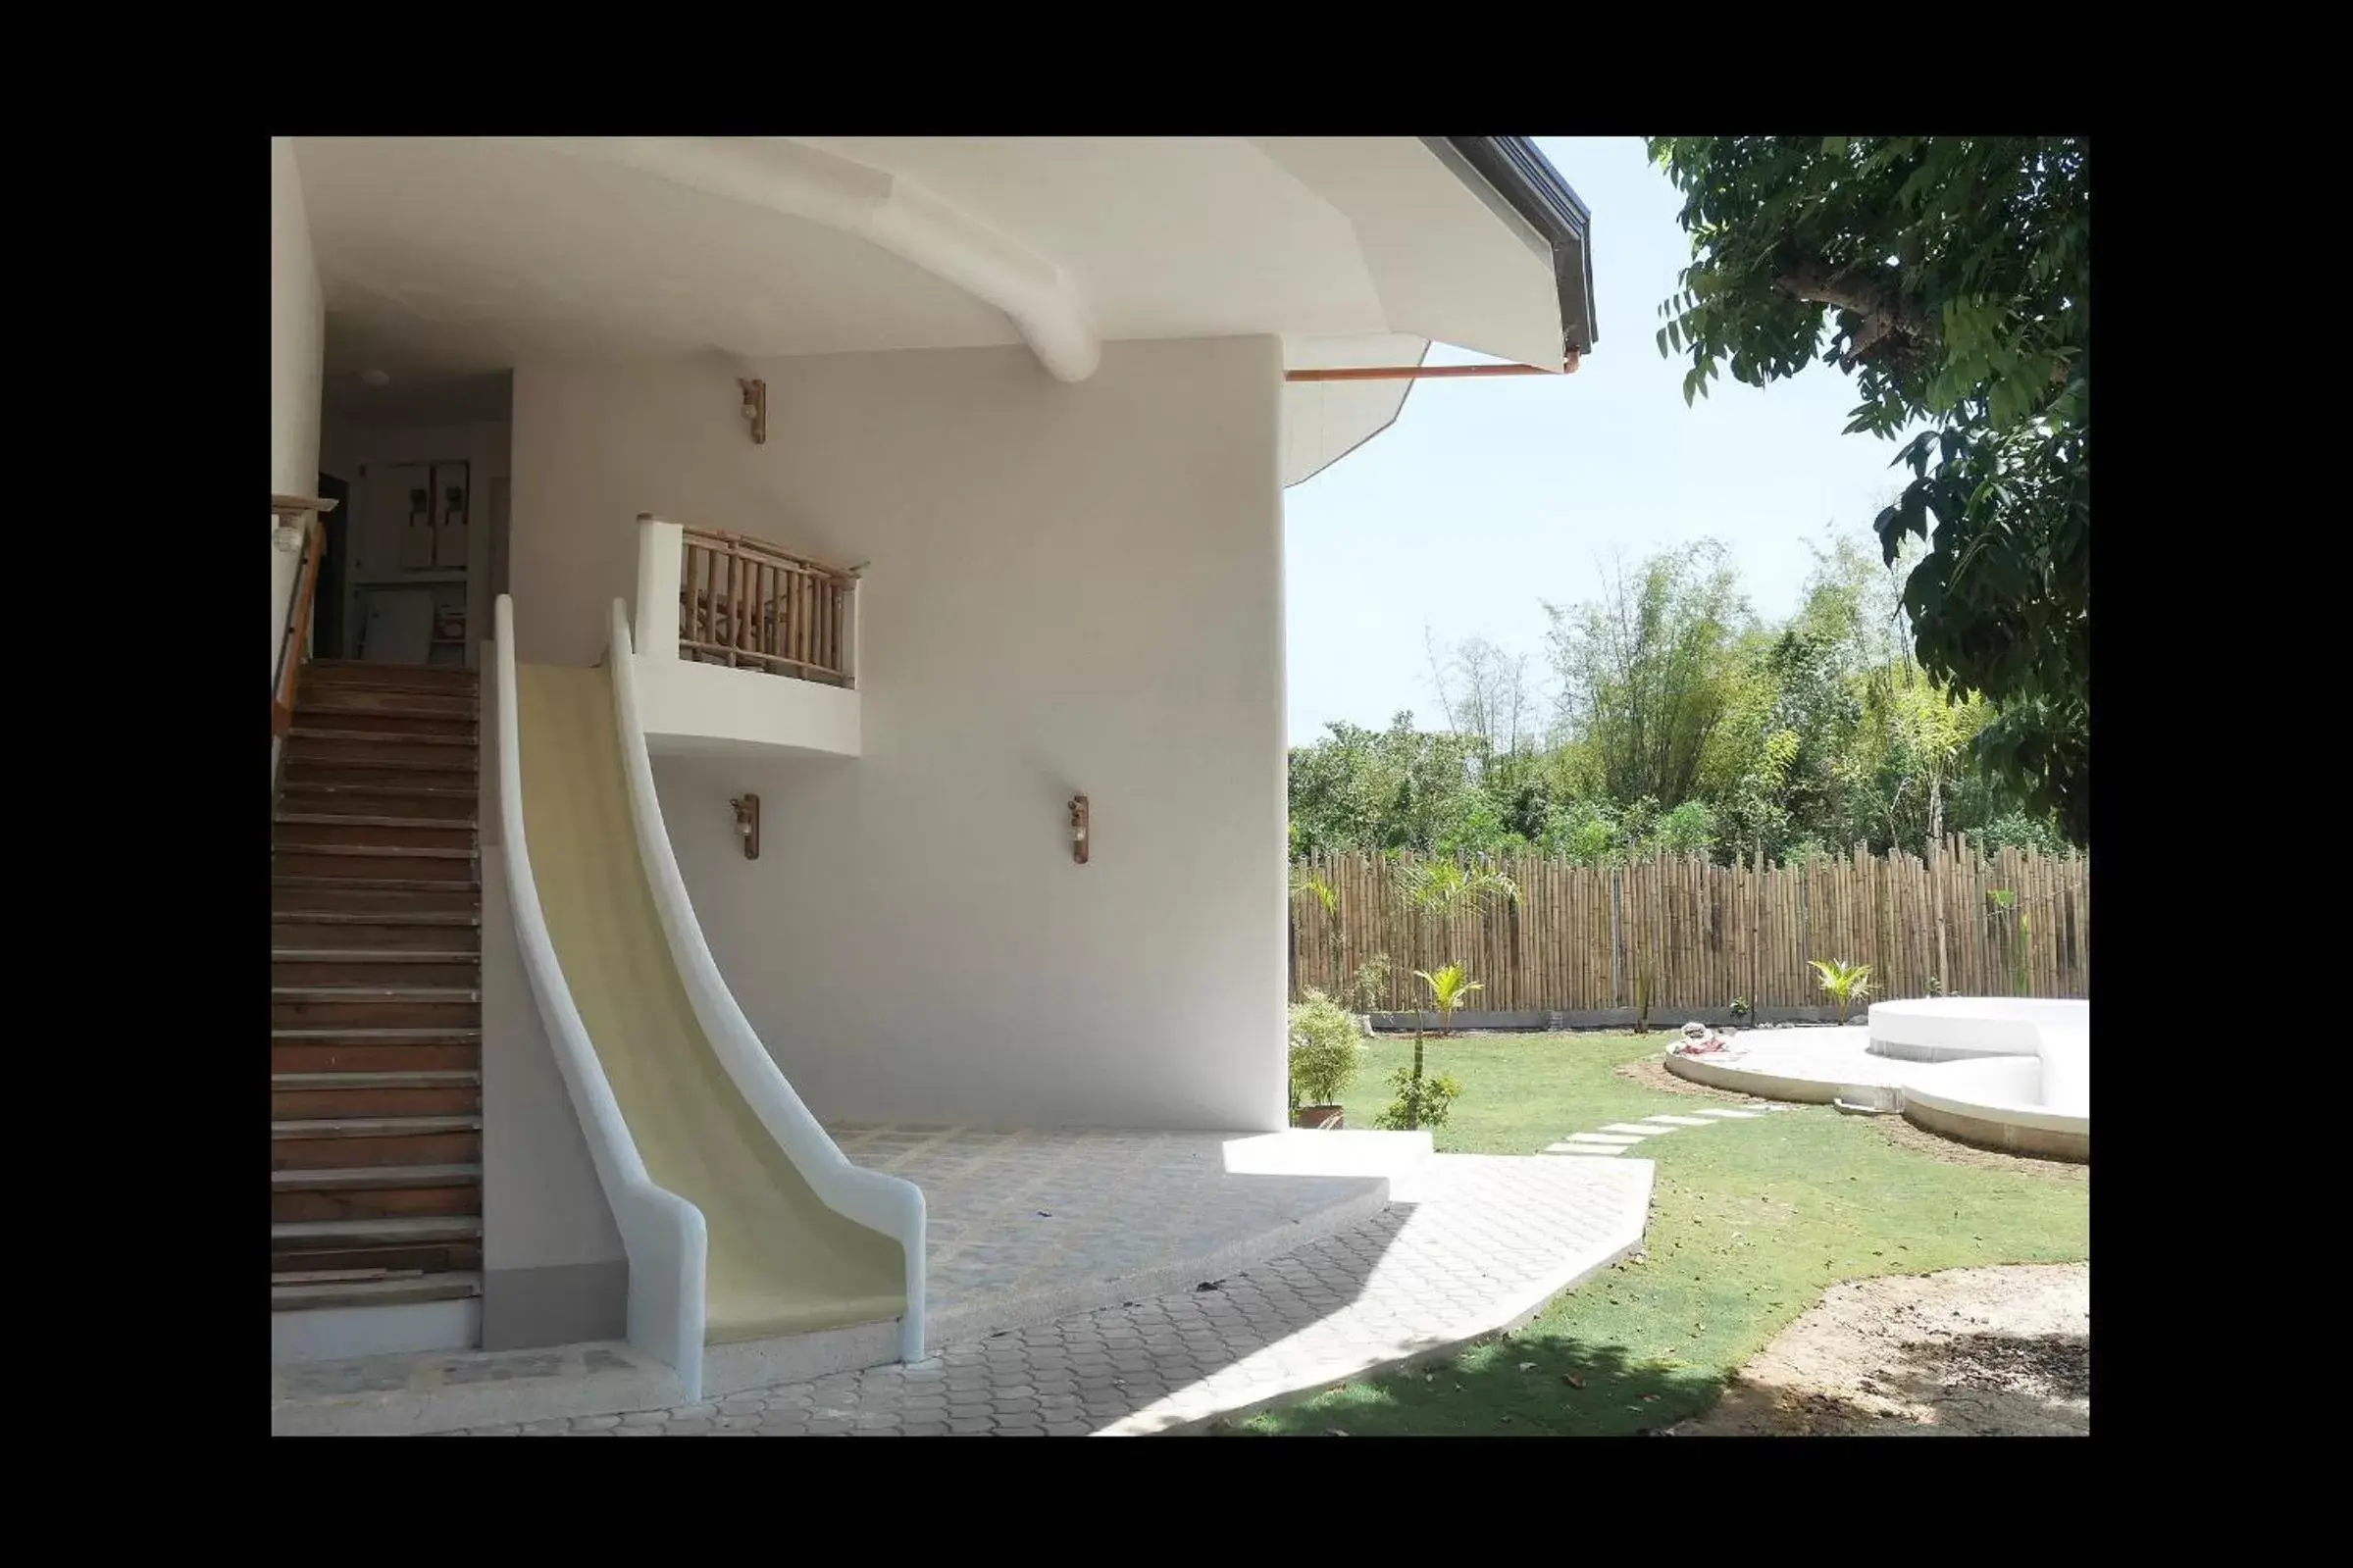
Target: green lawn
(1750,1222)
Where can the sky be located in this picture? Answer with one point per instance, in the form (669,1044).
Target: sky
(1488,497)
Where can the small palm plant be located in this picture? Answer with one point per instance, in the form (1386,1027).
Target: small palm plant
(1423,1101)
(1847,983)
(1450,989)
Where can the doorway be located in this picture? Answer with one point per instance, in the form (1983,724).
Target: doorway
(327,625)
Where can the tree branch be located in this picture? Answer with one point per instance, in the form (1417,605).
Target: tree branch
(1884,313)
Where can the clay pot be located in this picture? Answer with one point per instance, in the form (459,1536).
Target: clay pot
(1318,1116)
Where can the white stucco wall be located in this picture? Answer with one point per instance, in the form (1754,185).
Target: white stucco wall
(554,1266)
(297,331)
(1072,588)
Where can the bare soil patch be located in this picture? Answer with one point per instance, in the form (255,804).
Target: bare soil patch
(1902,1133)
(1651,1072)
(1969,1353)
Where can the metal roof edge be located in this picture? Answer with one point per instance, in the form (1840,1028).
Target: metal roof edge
(1518,173)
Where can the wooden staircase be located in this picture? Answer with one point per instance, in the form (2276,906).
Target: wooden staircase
(375,991)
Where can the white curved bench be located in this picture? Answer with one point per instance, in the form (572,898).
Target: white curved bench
(1945,1028)
(2004,1072)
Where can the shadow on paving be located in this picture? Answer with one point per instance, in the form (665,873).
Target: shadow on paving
(1504,1386)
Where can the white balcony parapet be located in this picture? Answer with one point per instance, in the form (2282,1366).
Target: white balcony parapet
(742,646)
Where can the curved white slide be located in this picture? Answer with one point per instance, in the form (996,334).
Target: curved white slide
(742,1218)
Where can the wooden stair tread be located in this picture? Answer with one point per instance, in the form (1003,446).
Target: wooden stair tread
(375,917)
(385,1037)
(378,851)
(391,884)
(335,667)
(404,1227)
(391,1290)
(454,1078)
(363,699)
(333,819)
(369,955)
(374,1125)
(375,992)
(377,737)
(310,787)
(387,764)
(359,1177)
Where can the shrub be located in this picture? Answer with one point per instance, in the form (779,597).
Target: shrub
(1325,1050)
(1369,985)
(1422,1102)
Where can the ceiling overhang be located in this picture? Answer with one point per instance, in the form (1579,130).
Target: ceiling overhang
(469,255)
(776,175)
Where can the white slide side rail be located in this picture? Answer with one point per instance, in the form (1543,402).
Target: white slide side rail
(663,1234)
(890,1204)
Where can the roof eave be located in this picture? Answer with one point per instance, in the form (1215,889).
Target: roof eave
(1527,182)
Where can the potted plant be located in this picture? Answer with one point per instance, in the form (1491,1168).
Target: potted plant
(1326,1051)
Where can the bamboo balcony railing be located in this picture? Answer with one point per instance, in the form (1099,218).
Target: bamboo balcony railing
(746,605)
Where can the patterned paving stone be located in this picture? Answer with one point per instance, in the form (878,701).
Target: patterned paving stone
(1485,1241)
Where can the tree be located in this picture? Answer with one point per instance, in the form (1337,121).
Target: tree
(1397,788)
(1955,275)
(1821,731)
(1483,691)
(1648,671)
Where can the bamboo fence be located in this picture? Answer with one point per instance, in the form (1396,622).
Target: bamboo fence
(1690,933)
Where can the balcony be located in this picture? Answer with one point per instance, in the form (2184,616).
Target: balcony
(742,646)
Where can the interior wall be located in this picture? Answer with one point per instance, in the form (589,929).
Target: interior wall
(349,443)
(298,333)
(1072,588)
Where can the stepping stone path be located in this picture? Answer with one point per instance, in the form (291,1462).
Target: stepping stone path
(1615,1137)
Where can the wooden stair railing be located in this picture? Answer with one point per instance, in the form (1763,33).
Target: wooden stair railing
(747,603)
(309,510)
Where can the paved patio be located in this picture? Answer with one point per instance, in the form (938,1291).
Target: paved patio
(1095,1282)
(1026,1227)
(1474,1244)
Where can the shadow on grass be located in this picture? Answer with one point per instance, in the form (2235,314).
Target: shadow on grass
(1504,1386)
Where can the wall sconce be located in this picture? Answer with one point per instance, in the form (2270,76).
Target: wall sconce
(747,824)
(1077,829)
(755,408)
(286,536)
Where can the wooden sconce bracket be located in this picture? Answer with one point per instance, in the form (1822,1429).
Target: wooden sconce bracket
(756,407)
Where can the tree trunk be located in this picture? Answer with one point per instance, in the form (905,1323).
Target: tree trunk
(1413,1095)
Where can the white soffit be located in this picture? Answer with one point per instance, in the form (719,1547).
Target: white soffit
(468,254)
(1325,421)
(465,255)
(1446,265)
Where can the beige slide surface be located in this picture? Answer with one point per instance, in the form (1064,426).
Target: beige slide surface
(779,1262)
